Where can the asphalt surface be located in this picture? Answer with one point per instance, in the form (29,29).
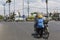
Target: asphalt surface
(24,31)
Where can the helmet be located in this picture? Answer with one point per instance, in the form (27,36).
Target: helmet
(40,16)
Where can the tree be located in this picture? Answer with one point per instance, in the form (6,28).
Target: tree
(9,1)
(50,14)
(12,16)
(1,17)
(34,13)
(31,13)
(55,16)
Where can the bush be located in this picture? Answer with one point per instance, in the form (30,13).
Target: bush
(31,17)
(1,17)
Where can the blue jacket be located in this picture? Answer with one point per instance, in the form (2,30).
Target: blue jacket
(40,23)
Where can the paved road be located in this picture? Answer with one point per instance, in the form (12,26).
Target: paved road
(23,31)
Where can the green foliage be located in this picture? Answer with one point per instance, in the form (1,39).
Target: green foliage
(55,16)
(8,1)
(31,13)
(50,14)
(12,15)
(31,17)
(1,17)
(34,13)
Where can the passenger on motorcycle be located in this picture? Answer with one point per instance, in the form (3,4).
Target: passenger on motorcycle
(46,23)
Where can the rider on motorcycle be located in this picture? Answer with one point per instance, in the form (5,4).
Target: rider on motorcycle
(39,26)
(40,22)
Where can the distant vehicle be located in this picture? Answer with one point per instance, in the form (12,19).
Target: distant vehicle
(17,18)
(50,18)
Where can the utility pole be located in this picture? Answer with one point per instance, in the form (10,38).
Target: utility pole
(14,10)
(28,7)
(14,6)
(9,9)
(47,8)
(23,7)
(4,8)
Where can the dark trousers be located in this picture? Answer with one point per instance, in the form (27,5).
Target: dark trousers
(39,30)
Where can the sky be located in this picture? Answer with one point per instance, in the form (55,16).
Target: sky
(34,5)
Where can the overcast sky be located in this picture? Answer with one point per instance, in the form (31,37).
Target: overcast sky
(35,5)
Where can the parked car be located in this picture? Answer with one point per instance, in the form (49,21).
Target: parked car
(17,18)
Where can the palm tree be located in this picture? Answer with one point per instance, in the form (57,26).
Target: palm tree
(4,8)
(9,1)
